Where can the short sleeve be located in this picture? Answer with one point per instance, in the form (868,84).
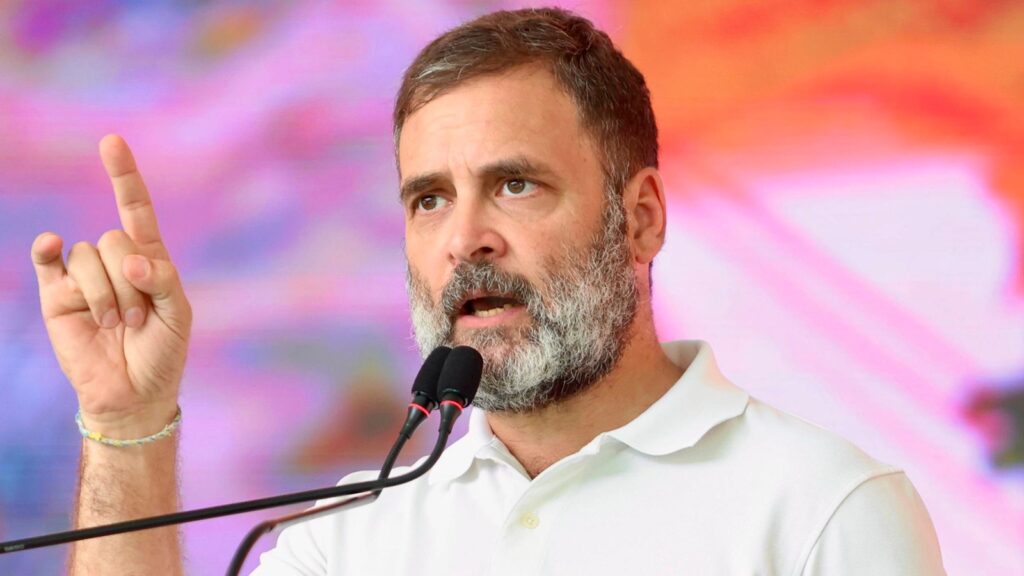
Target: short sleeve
(297,554)
(881,528)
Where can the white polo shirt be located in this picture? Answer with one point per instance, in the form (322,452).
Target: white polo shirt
(706,481)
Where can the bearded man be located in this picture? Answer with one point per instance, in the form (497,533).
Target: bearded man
(528,158)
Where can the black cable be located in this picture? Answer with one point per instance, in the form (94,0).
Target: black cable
(268,526)
(222,510)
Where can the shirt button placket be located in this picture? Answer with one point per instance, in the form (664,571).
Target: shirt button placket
(522,549)
(529,520)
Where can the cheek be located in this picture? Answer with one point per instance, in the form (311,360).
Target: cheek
(425,277)
(424,242)
(549,244)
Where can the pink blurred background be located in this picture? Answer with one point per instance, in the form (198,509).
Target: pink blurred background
(846,185)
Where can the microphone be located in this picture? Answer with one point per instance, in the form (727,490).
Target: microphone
(424,390)
(432,364)
(459,381)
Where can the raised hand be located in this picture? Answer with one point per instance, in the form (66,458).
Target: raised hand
(117,315)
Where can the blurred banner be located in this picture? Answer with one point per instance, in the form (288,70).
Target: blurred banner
(846,186)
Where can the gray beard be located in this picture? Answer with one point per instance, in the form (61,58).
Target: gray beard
(580,321)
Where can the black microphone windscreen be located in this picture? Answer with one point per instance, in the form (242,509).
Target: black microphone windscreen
(430,373)
(461,373)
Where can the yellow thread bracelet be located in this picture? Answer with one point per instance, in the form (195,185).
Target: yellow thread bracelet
(97,437)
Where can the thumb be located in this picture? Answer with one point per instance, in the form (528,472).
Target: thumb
(159,279)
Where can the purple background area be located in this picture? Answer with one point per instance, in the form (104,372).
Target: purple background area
(263,130)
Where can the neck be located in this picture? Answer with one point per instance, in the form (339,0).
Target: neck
(541,437)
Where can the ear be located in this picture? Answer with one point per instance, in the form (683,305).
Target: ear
(644,201)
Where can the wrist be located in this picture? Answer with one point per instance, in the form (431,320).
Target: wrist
(130,424)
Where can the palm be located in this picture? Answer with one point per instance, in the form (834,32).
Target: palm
(113,369)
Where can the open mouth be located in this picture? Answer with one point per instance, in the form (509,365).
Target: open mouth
(487,306)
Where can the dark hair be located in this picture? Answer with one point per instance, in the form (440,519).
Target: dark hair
(610,94)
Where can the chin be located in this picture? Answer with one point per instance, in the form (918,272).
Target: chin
(500,340)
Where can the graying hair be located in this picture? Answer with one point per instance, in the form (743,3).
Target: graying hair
(610,94)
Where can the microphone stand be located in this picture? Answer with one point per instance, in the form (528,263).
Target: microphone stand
(282,522)
(457,374)
(228,509)
(461,376)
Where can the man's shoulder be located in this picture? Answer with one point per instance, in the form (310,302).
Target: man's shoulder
(835,498)
(747,432)
(794,454)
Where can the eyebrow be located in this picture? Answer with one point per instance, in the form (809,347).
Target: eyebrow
(513,167)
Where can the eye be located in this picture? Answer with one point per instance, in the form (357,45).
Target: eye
(518,187)
(429,203)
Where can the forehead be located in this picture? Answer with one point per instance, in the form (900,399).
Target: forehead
(522,113)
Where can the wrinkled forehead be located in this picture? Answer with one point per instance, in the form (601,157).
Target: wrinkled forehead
(519,113)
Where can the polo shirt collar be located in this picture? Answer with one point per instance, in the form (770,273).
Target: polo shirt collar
(457,459)
(701,399)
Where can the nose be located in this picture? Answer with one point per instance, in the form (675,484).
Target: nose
(474,236)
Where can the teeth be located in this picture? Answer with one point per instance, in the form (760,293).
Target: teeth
(492,311)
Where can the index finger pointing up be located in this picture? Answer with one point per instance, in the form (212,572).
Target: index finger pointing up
(133,202)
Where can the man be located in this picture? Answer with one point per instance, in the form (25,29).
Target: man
(527,152)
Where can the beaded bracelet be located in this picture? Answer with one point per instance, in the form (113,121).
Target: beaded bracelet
(97,437)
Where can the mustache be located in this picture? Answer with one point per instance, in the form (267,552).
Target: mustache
(485,277)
